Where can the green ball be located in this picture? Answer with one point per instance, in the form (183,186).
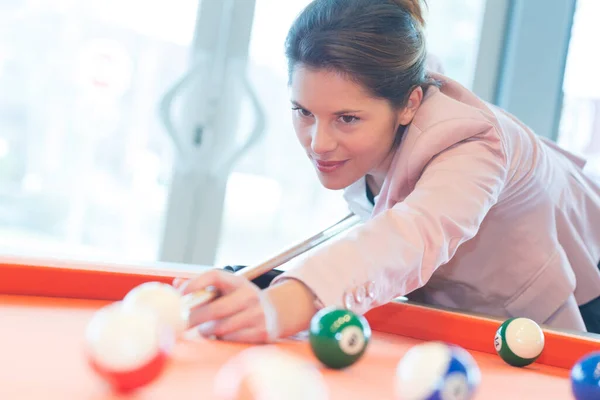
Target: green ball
(519,341)
(338,337)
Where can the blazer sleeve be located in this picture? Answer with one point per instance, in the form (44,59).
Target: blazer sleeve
(398,250)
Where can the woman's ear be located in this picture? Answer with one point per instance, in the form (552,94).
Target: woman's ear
(406,114)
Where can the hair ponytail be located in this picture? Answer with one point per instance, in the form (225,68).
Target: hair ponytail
(414,8)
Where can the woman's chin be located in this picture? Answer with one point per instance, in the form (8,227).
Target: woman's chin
(333,183)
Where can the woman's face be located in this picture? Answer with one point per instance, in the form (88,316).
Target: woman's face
(345,132)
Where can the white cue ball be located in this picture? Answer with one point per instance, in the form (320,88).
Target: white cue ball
(127,347)
(268,373)
(164,300)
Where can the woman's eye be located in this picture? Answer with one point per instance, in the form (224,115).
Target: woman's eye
(302,111)
(348,119)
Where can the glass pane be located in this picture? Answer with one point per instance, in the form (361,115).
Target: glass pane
(84,162)
(579,129)
(453,32)
(273,198)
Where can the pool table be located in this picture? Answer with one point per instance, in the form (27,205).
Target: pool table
(46,303)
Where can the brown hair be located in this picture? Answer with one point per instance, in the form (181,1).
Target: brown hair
(414,8)
(378,43)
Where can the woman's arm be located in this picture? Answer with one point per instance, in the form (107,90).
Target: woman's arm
(398,250)
(391,255)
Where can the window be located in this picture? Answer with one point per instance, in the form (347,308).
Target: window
(84,163)
(579,129)
(453,32)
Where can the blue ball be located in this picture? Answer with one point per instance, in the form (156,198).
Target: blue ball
(585,377)
(437,371)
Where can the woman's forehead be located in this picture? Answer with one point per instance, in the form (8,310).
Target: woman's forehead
(327,89)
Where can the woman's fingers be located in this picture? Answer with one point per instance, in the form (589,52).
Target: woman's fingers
(259,316)
(241,312)
(177,282)
(224,306)
(180,283)
(245,319)
(253,334)
(224,282)
(252,316)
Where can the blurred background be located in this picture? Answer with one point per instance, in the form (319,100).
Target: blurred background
(123,123)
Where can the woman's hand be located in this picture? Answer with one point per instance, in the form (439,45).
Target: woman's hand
(245,313)
(241,313)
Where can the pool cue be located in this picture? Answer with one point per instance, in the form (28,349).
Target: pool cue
(201,297)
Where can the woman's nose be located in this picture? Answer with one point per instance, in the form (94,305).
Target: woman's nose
(322,141)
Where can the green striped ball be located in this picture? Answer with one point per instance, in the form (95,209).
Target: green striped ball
(519,341)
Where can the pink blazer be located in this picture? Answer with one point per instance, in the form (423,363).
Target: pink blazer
(476,213)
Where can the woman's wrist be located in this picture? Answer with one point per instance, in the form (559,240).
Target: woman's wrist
(294,304)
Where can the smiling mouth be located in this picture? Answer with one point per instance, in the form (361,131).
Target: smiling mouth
(328,166)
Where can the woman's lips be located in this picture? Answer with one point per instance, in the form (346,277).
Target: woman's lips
(328,166)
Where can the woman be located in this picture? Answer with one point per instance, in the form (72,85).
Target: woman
(464,206)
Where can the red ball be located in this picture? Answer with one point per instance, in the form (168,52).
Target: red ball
(128,347)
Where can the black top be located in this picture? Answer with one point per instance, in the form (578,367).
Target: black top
(370,196)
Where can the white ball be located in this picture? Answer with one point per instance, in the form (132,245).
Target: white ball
(268,373)
(164,300)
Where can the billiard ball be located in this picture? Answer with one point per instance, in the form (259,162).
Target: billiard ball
(269,373)
(436,370)
(127,347)
(338,337)
(519,341)
(585,377)
(164,300)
